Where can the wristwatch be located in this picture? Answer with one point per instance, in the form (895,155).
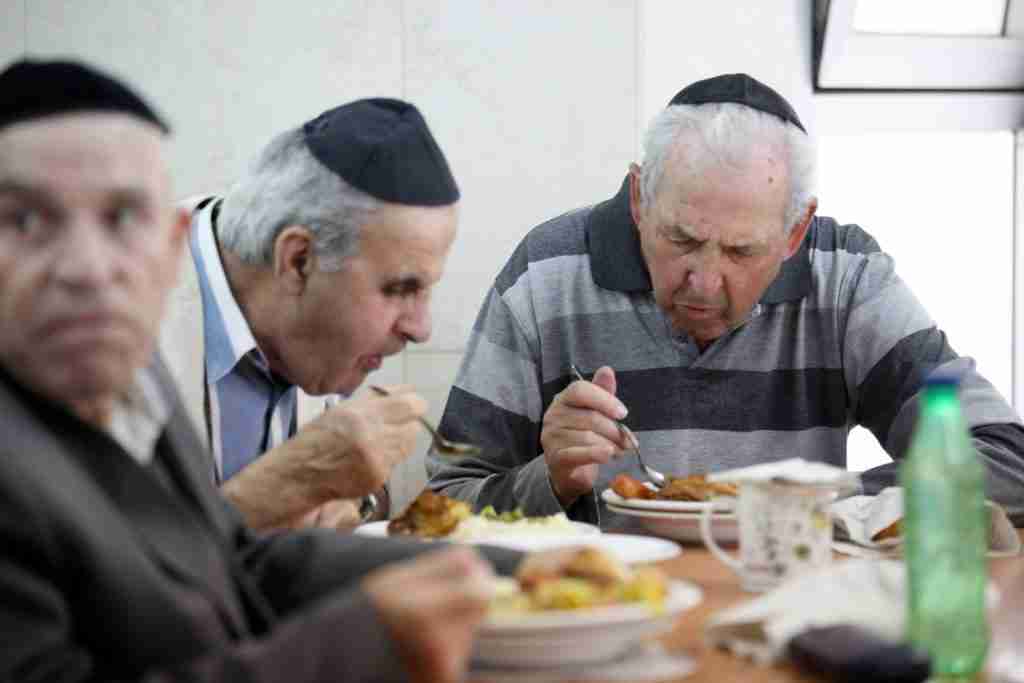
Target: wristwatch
(367,508)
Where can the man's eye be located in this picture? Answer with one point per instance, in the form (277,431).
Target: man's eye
(26,222)
(123,218)
(404,290)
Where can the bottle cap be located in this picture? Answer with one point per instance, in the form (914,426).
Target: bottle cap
(947,377)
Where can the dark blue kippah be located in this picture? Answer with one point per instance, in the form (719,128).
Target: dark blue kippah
(31,89)
(384,148)
(741,89)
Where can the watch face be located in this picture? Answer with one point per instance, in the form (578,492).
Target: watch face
(367,507)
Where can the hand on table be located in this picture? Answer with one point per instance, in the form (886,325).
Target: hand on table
(579,434)
(432,606)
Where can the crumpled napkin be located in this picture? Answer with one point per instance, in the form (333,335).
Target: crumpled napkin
(858,518)
(868,593)
(795,471)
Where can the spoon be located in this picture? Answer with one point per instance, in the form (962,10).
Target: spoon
(656,477)
(441,444)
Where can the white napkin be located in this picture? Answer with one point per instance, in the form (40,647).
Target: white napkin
(858,518)
(864,592)
(868,593)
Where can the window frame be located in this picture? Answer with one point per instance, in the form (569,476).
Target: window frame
(846,60)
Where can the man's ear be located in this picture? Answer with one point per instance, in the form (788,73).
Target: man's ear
(294,259)
(181,222)
(796,236)
(635,203)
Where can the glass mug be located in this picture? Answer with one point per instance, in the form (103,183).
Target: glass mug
(784,529)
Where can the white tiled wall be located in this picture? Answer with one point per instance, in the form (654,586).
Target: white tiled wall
(681,42)
(538,105)
(534,104)
(12,30)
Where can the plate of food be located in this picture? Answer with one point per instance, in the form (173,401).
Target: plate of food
(663,514)
(680,494)
(437,517)
(577,605)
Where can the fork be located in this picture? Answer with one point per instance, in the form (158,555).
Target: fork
(441,444)
(656,477)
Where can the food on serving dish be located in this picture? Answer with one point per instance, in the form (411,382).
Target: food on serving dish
(631,487)
(434,515)
(894,530)
(577,578)
(514,524)
(694,488)
(431,515)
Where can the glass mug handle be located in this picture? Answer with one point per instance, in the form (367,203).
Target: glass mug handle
(720,505)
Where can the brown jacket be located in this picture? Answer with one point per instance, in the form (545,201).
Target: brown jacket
(112,570)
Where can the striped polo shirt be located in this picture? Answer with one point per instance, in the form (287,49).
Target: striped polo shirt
(837,340)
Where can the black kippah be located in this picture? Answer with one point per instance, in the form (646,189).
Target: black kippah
(32,89)
(741,89)
(384,148)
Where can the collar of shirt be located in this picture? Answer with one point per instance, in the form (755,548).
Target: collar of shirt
(249,409)
(140,416)
(227,336)
(618,263)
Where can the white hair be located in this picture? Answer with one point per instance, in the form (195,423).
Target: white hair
(287,185)
(723,134)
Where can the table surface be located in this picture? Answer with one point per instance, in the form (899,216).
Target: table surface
(721,590)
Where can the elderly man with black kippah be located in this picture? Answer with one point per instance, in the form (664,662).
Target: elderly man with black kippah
(741,328)
(317,264)
(119,558)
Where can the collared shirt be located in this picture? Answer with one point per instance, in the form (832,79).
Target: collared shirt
(837,340)
(140,416)
(250,410)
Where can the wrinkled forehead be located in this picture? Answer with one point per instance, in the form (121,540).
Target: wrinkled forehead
(84,152)
(399,225)
(704,158)
(756,174)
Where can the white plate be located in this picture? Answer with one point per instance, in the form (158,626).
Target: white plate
(611,498)
(683,526)
(559,638)
(626,547)
(576,530)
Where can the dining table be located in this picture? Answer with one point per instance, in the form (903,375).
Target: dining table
(721,589)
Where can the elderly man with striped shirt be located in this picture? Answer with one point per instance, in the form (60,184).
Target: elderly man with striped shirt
(741,328)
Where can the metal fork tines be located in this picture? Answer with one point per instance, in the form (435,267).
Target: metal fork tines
(441,444)
(656,477)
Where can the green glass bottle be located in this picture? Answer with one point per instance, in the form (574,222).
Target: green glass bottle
(945,535)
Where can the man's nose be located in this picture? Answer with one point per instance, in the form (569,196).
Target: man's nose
(85,257)
(415,322)
(705,278)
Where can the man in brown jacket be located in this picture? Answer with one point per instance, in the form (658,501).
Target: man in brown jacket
(119,560)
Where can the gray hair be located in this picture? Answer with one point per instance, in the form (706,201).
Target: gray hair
(287,185)
(725,133)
